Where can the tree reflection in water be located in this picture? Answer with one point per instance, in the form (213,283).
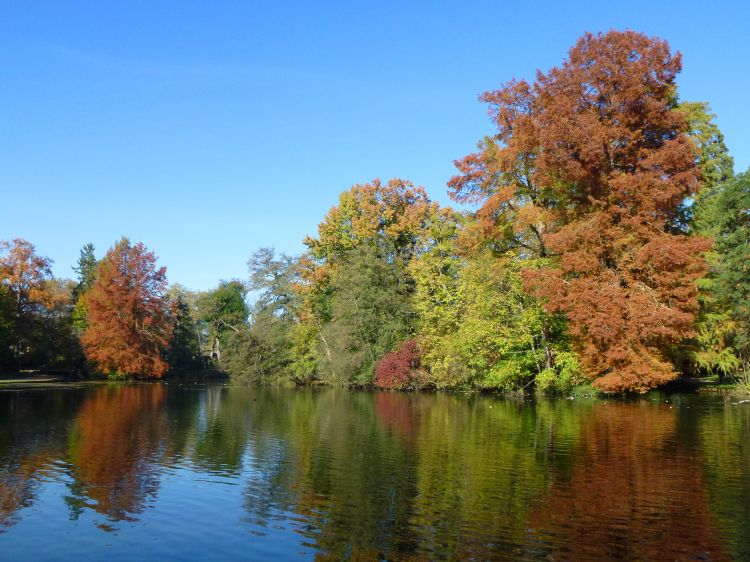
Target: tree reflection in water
(365,475)
(636,492)
(115,450)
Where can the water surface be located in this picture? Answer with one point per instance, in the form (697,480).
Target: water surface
(170,472)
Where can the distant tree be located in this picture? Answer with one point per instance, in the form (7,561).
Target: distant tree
(130,318)
(267,349)
(371,312)
(368,213)
(367,238)
(86,271)
(591,166)
(223,314)
(27,292)
(185,345)
(7,324)
(714,162)
(274,278)
(224,309)
(56,341)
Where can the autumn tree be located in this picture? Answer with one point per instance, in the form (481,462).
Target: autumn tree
(355,287)
(590,166)
(395,210)
(28,294)
(130,318)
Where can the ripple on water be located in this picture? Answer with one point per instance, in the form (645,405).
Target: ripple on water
(215,473)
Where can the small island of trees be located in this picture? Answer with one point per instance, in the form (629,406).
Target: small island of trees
(604,240)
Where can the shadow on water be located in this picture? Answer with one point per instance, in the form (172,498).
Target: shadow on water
(334,474)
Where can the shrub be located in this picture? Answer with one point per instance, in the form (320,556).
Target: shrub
(397,369)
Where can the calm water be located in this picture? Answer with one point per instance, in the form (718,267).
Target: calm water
(216,473)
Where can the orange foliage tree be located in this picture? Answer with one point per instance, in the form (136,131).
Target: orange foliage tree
(589,170)
(27,293)
(130,316)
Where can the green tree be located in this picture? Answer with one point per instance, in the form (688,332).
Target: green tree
(371,313)
(274,317)
(367,238)
(487,331)
(6,328)
(184,351)
(713,159)
(86,271)
(223,310)
(223,315)
(713,215)
(732,268)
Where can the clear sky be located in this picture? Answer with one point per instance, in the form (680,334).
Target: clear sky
(209,129)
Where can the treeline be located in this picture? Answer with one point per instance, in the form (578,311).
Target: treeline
(607,243)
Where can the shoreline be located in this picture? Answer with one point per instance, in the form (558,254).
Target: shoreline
(683,385)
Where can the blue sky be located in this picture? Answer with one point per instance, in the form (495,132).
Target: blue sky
(209,129)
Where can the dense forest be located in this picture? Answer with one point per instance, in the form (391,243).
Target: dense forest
(603,239)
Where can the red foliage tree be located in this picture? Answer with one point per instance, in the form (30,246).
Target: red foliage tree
(591,166)
(396,369)
(130,316)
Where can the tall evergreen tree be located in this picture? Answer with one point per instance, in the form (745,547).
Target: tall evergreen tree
(86,271)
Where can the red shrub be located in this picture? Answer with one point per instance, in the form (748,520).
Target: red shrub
(396,369)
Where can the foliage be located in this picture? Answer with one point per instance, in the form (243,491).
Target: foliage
(7,327)
(370,314)
(86,270)
(564,378)
(223,310)
(713,160)
(130,317)
(591,165)
(184,350)
(262,353)
(354,287)
(724,335)
(489,333)
(396,369)
(369,213)
(585,257)
(711,351)
(30,305)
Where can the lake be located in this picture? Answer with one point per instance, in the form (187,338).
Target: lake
(216,472)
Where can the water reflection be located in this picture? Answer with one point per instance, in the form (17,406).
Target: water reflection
(33,437)
(636,492)
(113,450)
(334,474)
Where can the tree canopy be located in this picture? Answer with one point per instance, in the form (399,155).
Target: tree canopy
(129,314)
